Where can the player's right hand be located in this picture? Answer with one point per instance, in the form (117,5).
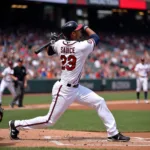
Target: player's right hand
(15,78)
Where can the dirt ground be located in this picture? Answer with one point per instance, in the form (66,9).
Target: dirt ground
(78,139)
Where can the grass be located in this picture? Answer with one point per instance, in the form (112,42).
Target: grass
(87,120)
(46,98)
(79,120)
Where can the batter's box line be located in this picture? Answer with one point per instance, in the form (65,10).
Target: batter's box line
(100,144)
(56,142)
(142,139)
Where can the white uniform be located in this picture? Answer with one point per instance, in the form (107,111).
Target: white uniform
(142,80)
(7,82)
(66,91)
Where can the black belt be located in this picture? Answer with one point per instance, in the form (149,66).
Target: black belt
(70,85)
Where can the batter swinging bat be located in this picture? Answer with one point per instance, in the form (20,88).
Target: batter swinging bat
(46,45)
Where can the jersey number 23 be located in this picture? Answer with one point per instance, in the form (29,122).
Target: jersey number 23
(68,62)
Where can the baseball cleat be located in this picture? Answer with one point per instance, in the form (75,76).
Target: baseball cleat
(119,138)
(13,131)
(11,105)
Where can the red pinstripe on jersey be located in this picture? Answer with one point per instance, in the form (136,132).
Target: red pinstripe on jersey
(49,115)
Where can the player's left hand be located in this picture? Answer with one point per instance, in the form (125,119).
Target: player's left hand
(53,37)
(1,114)
(25,85)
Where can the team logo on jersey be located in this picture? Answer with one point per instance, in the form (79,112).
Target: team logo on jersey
(89,41)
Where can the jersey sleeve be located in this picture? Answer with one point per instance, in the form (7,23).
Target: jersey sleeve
(4,73)
(55,46)
(136,68)
(87,45)
(12,72)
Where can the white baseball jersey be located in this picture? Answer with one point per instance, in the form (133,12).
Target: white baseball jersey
(142,69)
(73,55)
(6,73)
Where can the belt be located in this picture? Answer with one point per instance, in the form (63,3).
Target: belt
(71,85)
(7,81)
(143,77)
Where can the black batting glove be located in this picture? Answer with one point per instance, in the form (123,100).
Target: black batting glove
(84,27)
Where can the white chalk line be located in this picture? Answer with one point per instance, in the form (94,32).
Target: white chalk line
(102,144)
(139,138)
(56,142)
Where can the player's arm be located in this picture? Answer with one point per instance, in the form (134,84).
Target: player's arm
(25,78)
(13,77)
(50,50)
(92,35)
(137,74)
(136,70)
(51,47)
(1,76)
(4,73)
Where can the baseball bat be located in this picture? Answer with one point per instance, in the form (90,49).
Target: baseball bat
(41,48)
(46,45)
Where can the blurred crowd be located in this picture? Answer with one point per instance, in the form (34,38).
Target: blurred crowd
(115,57)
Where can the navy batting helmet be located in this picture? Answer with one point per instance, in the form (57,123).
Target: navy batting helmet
(69,27)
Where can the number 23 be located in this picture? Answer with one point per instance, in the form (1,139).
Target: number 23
(68,62)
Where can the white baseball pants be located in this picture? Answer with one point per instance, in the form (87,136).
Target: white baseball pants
(5,84)
(62,98)
(142,83)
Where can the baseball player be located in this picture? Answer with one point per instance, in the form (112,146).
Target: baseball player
(72,53)
(7,81)
(141,70)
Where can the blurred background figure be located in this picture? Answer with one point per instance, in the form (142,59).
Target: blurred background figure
(141,70)
(7,80)
(124,36)
(21,74)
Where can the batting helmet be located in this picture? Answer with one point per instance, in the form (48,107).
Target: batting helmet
(69,27)
(142,59)
(10,63)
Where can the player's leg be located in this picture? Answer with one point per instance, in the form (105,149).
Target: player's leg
(21,97)
(3,85)
(145,89)
(12,89)
(90,98)
(17,97)
(138,89)
(20,93)
(61,101)
(13,92)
